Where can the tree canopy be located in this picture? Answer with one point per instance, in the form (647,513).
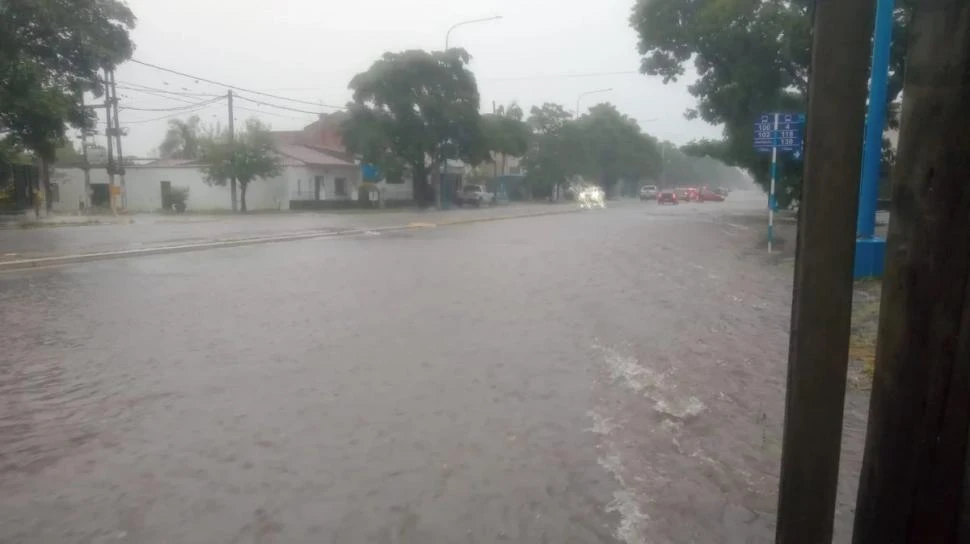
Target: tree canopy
(750,57)
(505,132)
(183,139)
(248,157)
(555,148)
(614,148)
(416,109)
(50,52)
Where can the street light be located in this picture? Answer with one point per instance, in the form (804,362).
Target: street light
(468,22)
(587,93)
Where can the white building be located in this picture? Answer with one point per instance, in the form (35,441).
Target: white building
(311,179)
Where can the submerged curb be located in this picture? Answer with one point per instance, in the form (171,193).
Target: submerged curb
(41,262)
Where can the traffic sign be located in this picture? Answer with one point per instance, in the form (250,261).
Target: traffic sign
(779,132)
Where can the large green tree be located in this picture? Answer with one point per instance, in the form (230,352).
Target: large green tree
(183,139)
(50,54)
(250,156)
(506,134)
(750,56)
(554,148)
(614,148)
(414,110)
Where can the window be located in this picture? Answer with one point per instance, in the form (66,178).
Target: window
(340,186)
(55,193)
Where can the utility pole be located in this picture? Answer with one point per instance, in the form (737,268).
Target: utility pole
(117,134)
(86,198)
(915,476)
(111,166)
(822,296)
(232,151)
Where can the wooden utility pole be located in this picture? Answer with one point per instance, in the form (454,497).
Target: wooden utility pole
(116,131)
(232,150)
(822,300)
(107,132)
(86,199)
(914,482)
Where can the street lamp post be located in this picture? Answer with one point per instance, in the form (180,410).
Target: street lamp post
(587,93)
(444,167)
(468,22)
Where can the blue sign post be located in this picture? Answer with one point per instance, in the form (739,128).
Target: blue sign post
(870,250)
(774,132)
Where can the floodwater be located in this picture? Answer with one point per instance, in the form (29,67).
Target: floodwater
(613,375)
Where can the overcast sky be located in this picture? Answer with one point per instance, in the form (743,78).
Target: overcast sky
(309,50)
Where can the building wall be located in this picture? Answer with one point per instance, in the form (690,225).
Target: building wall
(143,191)
(302,184)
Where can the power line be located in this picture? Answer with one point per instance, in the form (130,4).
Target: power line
(271,105)
(175,98)
(140,121)
(268,113)
(213,82)
(176,108)
(146,88)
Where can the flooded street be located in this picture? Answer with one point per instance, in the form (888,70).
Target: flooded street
(608,376)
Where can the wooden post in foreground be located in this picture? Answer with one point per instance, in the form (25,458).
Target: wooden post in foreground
(822,302)
(914,482)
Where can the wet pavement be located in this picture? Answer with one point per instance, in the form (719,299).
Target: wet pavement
(607,376)
(142,231)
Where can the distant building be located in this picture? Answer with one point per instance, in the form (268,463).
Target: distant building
(318,172)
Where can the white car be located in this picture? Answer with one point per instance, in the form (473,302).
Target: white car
(591,197)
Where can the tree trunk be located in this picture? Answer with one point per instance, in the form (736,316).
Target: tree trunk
(232,192)
(45,174)
(242,196)
(915,481)
(419,183)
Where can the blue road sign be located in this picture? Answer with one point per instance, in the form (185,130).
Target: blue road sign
(780,132)
(774,132)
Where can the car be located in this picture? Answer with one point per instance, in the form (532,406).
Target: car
(667,196)
(591,197)
(707,195)
(723,191)
(684,193)
(648,192)
(474,195)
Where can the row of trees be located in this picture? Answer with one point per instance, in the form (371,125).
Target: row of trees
(415,110)
(50,54)
(750,57)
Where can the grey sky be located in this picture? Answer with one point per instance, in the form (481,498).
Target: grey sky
(309,50)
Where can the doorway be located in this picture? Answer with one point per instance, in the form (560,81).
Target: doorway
(166,187)
(319,186)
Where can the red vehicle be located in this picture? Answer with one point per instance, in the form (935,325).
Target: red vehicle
(667,196)
(707,195)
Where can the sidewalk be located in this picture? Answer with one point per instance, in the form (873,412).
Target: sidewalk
(147,234)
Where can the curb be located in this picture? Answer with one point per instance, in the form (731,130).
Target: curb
(42,262)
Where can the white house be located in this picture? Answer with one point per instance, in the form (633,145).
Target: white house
(310,176)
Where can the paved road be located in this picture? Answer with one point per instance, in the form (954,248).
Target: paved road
(607,376)
(148,230)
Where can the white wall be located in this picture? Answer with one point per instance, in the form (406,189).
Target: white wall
(302,186)
(143,191)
